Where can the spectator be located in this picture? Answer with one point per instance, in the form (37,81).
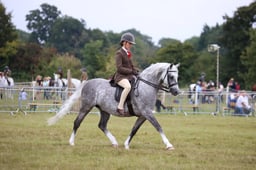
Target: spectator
(202,77)
(231,85)
(237,86)
(22,97)
(220,87)
(1,84)
(220,90)
(159,104)
(209,98)
(210,85)
(242,104)
(198,91)
(198,87)
(39,80)
(232,100)
(46,83)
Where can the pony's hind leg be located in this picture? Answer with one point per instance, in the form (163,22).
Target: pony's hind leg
(80,117)
(103,126)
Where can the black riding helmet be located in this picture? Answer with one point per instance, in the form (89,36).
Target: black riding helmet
(129,37)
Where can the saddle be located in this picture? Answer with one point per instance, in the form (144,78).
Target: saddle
(118,93)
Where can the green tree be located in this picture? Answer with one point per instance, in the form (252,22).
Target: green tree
(235,39)
(30,60)
(8,36)
(183,53)
(113,38)
(94,59)
(7,29)
(248,59)
(97,34)
(68,35)
(41,21)
(166,41)
(110,65)
(65,61)
(210,35)
(194,41)
(23,36)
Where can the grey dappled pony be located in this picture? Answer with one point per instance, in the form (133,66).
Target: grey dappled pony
(99,93)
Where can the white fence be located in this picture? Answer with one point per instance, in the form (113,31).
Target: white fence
(40,99)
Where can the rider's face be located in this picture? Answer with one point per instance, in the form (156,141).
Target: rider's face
(127,46)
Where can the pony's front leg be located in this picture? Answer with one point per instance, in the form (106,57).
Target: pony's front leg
(158,127)
(169,146)
(127,143)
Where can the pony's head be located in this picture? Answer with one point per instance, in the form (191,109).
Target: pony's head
(162,76)
(170,79)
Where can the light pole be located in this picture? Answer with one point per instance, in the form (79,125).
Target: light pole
(213,48)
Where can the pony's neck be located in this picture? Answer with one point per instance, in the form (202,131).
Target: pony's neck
(154,72)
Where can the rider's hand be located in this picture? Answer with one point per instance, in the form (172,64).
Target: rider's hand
(135,72)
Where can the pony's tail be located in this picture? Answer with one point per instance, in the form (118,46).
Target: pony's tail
(65,108)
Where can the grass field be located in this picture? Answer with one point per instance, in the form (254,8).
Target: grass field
(201,142)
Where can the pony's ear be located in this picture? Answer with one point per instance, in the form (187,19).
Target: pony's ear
(171,65)
(177,65)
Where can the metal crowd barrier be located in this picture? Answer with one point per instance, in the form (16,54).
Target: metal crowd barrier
(205,102)
(38,99)
(50,99)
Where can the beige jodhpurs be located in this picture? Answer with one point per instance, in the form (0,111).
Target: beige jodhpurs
(127,87)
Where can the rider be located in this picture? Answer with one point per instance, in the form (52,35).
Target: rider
(125,68)
(60,72)
(7,71)
(84,75)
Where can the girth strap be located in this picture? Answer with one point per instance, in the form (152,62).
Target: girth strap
(130,108)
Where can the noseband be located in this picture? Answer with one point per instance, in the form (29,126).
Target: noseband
(159,86)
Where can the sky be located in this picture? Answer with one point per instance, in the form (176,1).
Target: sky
(178,19)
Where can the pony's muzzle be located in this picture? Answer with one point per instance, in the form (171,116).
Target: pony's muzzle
(175,92)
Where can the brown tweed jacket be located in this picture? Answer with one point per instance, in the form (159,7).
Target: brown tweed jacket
(124,66)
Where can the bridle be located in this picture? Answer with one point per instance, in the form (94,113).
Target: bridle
(159,86)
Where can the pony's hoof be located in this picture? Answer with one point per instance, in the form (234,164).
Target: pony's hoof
(71,143)
(170,148)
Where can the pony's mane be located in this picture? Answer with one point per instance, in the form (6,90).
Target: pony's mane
(155,68)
